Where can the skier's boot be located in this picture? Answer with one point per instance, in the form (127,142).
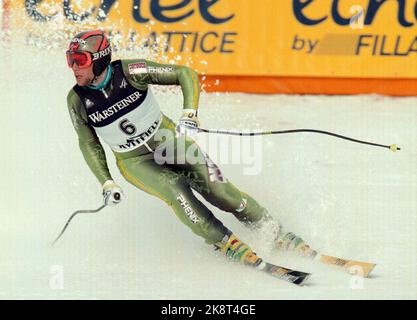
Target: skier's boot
(291,242)
(238,251)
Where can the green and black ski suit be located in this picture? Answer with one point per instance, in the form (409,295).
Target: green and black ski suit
(127,117)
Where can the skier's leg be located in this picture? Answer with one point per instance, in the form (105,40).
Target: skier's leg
(165,184)
(173,188)
(206,178)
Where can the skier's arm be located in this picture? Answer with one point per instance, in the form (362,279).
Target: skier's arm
(89,143)
(143,72)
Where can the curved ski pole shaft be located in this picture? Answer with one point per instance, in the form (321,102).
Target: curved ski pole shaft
(72,216)
(392,147)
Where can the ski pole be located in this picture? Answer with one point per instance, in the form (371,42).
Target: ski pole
(392,147)
(116,196)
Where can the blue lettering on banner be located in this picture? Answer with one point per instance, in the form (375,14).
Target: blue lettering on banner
(383,45)
(203,38)
(298,7)
(226,40)
(204,6)
(105,6)
(205,42)
(158,11)
(365,45)
(372,10)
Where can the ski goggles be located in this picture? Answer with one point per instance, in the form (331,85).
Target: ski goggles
(82,59)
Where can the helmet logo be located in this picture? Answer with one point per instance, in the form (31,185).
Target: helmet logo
(78,40)
(102,53)
(75,43)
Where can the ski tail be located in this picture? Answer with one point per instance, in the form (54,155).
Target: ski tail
(353,267)
(289,275)
(290,241)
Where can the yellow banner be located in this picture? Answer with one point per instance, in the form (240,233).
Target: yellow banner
(319,38)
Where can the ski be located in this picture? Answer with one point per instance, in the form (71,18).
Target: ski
(292,276)
(293,243)
(358,268)
(353,267)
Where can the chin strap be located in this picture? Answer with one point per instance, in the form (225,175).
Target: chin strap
(105,82)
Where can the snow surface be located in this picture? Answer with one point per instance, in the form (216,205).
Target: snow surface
(345,199)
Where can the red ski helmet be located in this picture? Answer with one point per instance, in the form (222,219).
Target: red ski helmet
(90,47)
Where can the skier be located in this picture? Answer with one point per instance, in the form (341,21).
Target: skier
(113,100)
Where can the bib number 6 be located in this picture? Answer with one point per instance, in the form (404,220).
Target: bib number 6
(127,127)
